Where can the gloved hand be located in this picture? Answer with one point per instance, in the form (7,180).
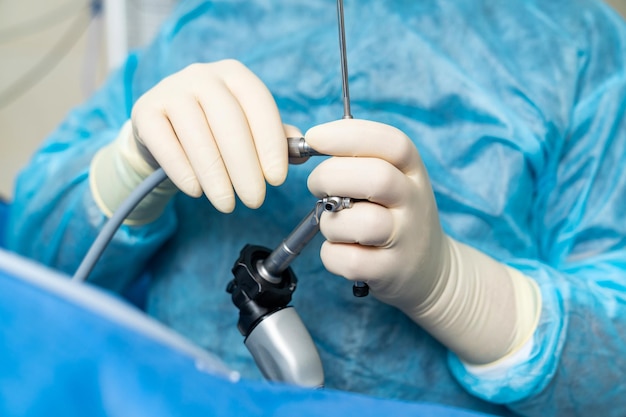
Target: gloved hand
(211,127)
(393,240)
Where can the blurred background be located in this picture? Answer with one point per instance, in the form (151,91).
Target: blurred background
(55,53)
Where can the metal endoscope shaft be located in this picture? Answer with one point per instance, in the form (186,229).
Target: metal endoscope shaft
(278,261)
(286,252)
(360,288)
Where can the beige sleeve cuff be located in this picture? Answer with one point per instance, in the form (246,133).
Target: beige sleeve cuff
(484,311)
(116,170)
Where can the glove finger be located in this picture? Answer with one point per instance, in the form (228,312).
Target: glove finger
(195,136)
(154,130)
(263,119)
(364,223)
(291,131)
(364,138)
(356,262)
(229,125)
(361,178)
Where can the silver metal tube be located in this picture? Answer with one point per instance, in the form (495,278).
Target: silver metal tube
(360,288)
(298,148)
(344,61)
(279,260)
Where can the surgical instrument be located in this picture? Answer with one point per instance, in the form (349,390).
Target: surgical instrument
(262,287)
(360,288)
(344,61)
(264,283)
(298,148)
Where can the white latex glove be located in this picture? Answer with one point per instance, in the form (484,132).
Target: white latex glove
(392,239)
(211,127)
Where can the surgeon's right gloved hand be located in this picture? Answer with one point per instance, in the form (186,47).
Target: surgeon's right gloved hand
(391,238)
(212,128)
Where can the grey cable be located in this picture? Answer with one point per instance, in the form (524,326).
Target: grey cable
(111,226)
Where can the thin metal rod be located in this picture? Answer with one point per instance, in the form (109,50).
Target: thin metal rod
(360,288)
(344,62)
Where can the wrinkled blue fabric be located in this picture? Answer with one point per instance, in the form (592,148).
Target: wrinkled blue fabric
(130,366)
(517,109)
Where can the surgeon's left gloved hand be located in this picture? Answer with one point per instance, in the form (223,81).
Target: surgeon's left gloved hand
(482,310)
(214,128)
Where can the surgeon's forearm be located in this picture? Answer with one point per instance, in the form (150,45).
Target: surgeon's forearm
(481,309)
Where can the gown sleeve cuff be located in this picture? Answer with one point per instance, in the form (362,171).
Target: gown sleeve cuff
(530,369)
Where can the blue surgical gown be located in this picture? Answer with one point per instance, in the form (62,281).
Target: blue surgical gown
(517,108)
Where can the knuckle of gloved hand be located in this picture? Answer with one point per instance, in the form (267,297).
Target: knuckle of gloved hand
(148,105)
(230,65)
(403,151)
(316,184)
(404,144)
(365,223)
(197,69)
(340,260)
(140,107)
(379,177)
(191,81)
(398,136)
(368,214)
(376,225)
